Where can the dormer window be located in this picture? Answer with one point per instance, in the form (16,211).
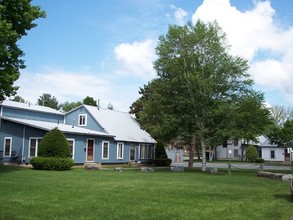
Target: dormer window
(82,120)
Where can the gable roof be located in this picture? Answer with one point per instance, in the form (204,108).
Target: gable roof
(47,126)
(123,125)
(30,107)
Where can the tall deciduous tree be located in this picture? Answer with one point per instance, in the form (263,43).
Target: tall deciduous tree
(16,18)
(68,106)
(198,87)
(48,100)
(89,101)
(281,114)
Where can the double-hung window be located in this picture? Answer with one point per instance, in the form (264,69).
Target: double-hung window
(34,145)
(120,148)
(105,150)
(272,154)
(82,120)
(71,143)
(7,147)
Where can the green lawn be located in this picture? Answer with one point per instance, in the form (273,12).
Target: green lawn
(106,194)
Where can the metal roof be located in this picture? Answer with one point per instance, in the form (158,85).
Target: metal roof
(47,126)
(31,107)
(122,124)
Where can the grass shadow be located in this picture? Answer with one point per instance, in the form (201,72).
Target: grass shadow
(286,197)
(7,169)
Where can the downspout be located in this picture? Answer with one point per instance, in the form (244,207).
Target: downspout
(23,141)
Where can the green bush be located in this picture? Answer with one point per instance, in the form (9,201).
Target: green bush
(251,154)
(259,160)
(162,162)
(160,151)
(51,163)
(54,144)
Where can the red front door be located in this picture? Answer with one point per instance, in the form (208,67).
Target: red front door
(90,150)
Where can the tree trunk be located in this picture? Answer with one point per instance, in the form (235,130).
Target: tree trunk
(204,159)
(191,152)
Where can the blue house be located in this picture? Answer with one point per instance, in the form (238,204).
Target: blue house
(94,134)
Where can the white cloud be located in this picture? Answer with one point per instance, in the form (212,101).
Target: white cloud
(250,33)
(136,59)
(179,14)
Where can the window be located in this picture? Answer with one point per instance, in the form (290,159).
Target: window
(272,154)
(145,151)
(105,150)
(34,144)
(132,152)
(7,147)
(120,147)
(71,143)
(82,119)
(235,152)
(235,142)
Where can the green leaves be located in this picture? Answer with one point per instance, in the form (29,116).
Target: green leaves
(16,18)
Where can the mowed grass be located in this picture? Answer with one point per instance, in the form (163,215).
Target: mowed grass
(106,194)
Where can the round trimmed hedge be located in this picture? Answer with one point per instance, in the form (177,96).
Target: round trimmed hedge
(54,144)
(51,163)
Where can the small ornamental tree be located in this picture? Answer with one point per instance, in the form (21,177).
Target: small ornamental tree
(54,144)
(161,158)
(251,154)
(54,152)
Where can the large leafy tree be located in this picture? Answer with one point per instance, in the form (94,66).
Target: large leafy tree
(48,100)
(281,114)
(198,88)
(68,106)
(16,18)
(89,101)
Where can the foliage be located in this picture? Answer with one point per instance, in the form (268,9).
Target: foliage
(68,106)
(160,151)
(54,144)
(162,162)
(51,163)
(18,99)
(251,153)
(281,114)
(259,160)
(198,89)
(16,18)
(282,135)
(48,100)
(89,101)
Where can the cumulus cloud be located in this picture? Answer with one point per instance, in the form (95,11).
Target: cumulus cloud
(136,59)
(64,85)
(250,33)
(179,14)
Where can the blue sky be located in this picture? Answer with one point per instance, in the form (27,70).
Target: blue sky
(105,49)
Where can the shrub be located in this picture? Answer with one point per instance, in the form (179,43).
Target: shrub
(51,163)
(54,144)
(162,162)
(160,151)
(251,154)
(259,160)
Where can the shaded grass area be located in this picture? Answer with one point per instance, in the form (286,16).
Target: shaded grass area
(106,194)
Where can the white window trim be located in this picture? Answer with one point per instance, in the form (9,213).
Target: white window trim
(271,154)
(120,158)
(108,150)
(73,146)
(10,149)
(37,146)
(85,120)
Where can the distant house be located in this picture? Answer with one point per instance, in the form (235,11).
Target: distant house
(94,134)
(265,150)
